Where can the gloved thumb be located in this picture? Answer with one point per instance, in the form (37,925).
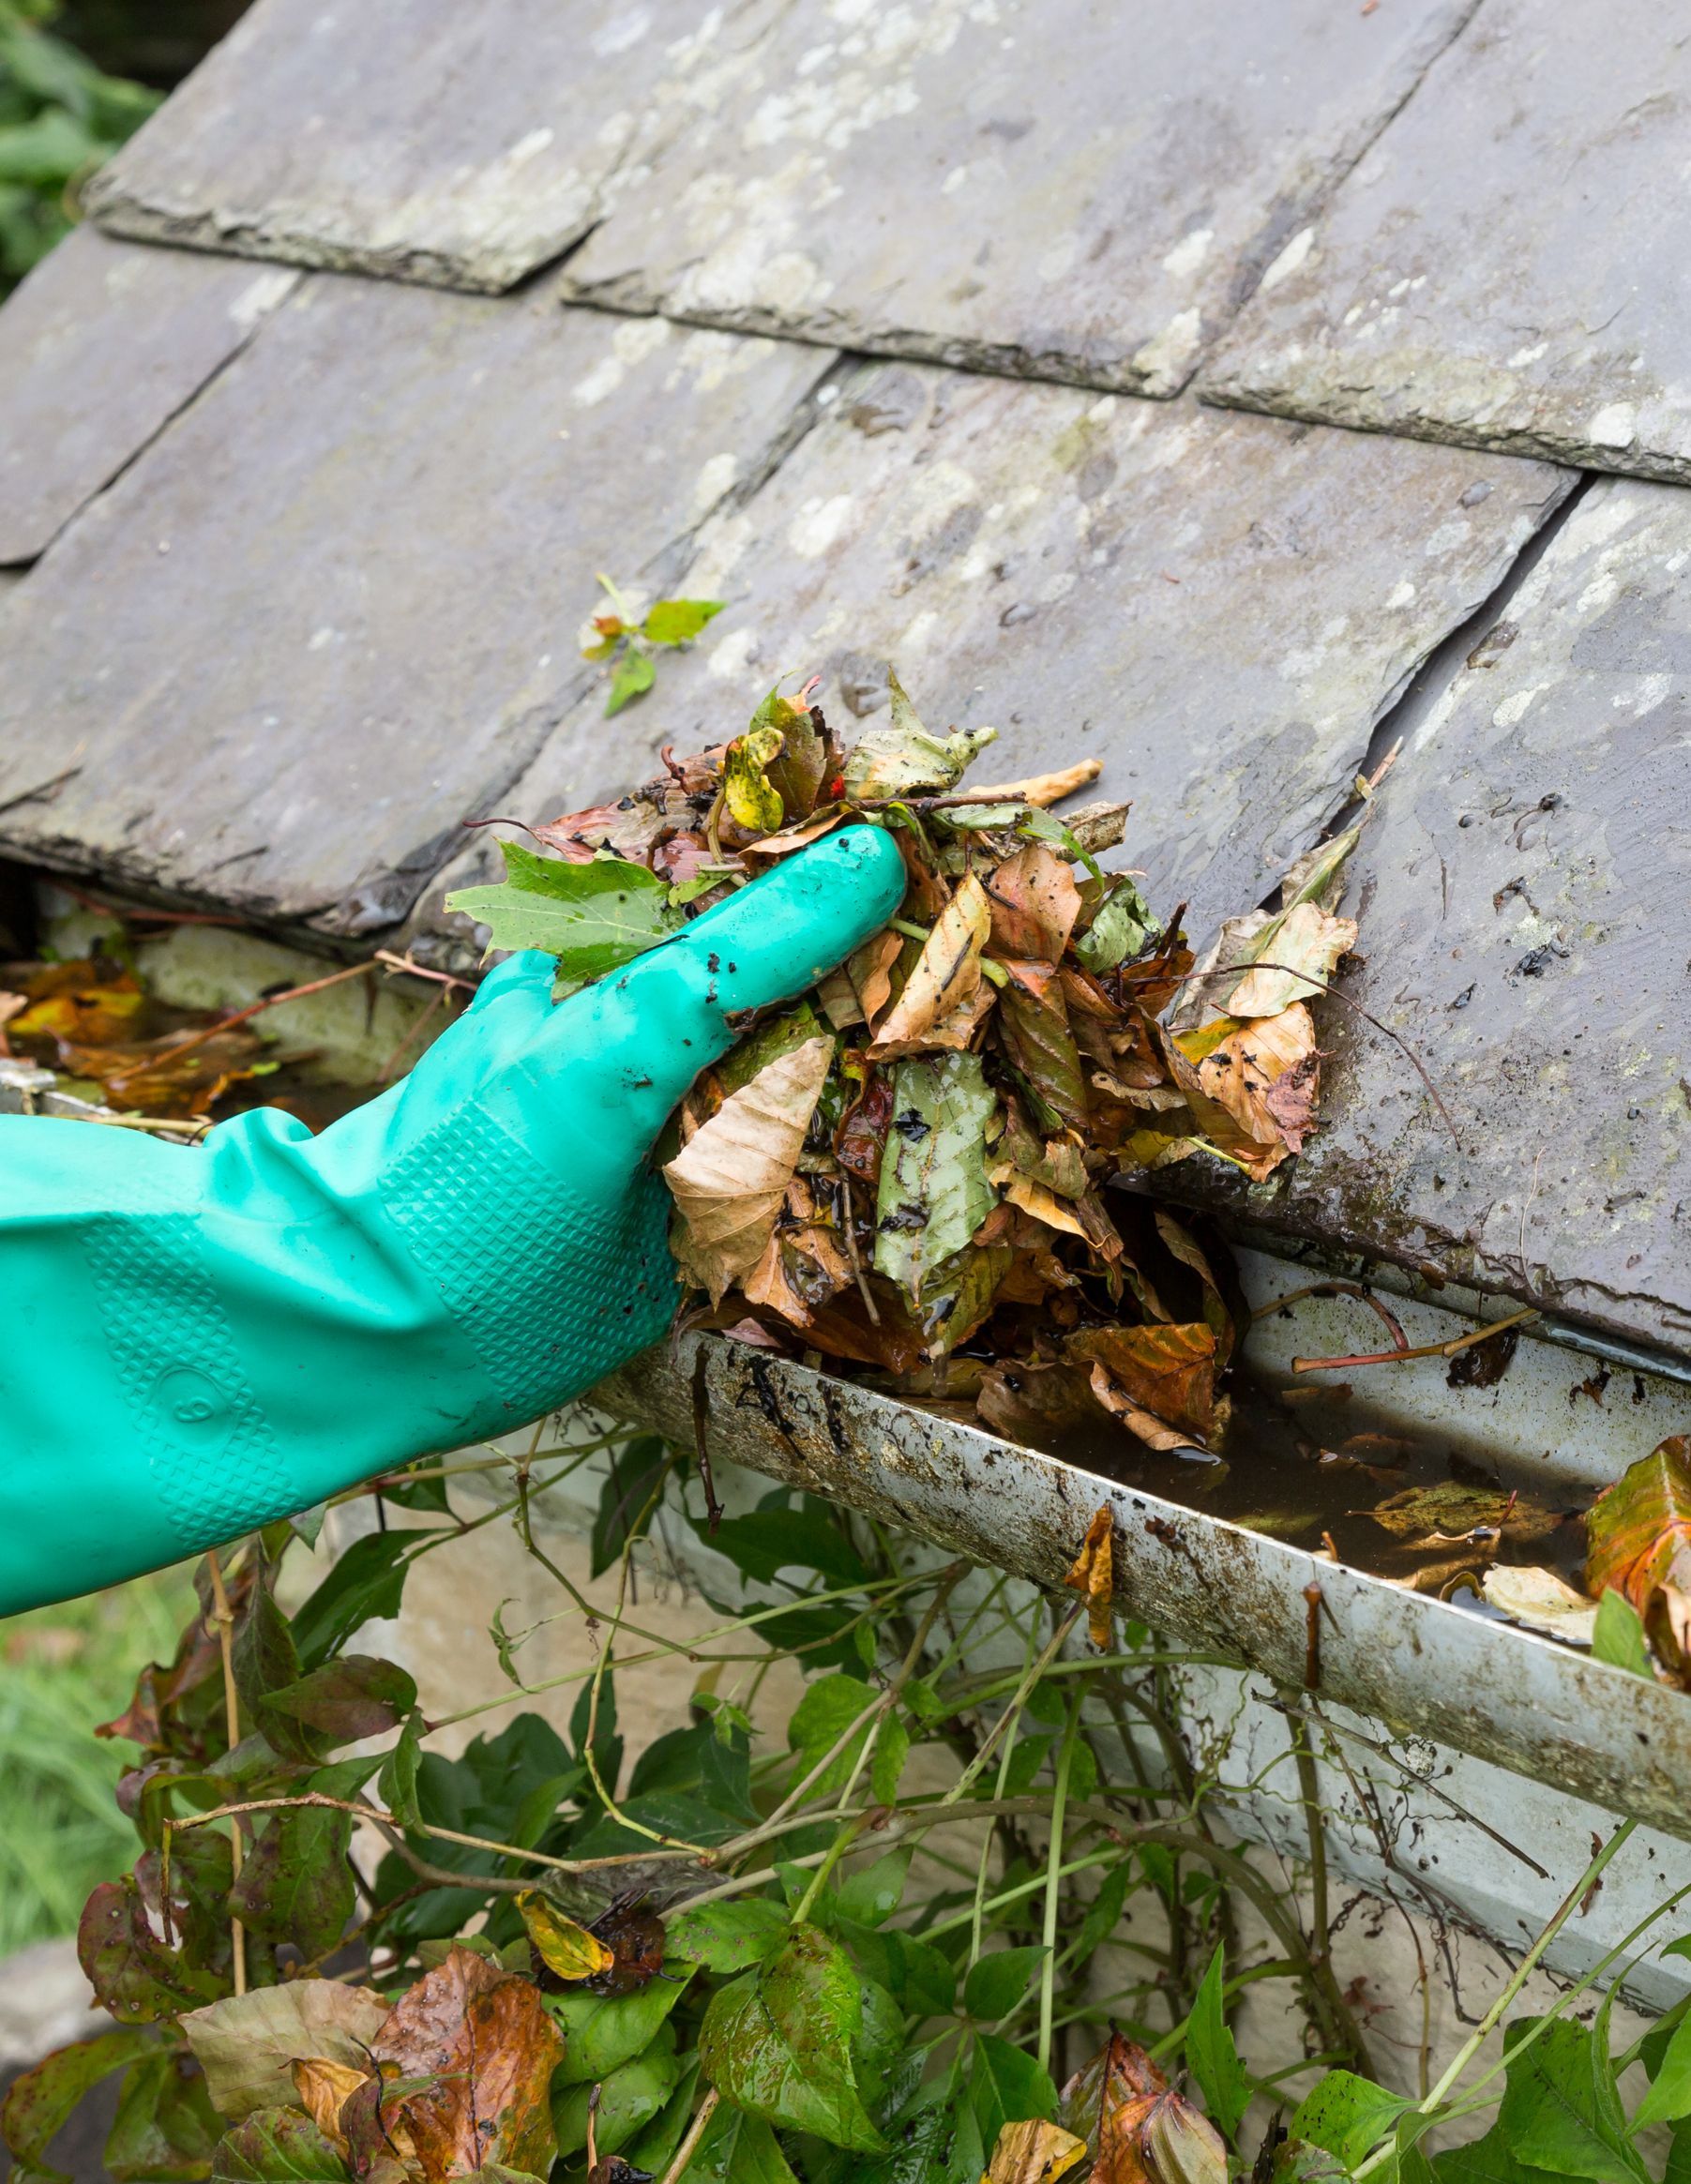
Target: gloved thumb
(663,1018)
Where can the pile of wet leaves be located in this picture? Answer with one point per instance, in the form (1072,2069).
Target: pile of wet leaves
(904,1170)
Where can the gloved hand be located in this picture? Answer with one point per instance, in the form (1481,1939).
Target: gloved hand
(194,1340)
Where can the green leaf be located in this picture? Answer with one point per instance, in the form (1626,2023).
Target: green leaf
(396,1786)
(677,621)
(1006,2085)
(915,1973)
(635,1474)
(821,1717)
(778,2042)
(297,1884)
(1561,2110)
(1486,2160)
(874,1892)
(738,2149)
(653,2147)
(933,1193)
(1670,2094)
(1677,2169)
(166,2128)
(592,917)
(1122,925)
(1104,1913)
(766,1541)
(729,1936)
(996,1983)
(346,1700)
(754,801)
(602,2032)
(1040,1046)
(365,1584)
(277,2146)
(1210,2052)
(629,2097)
(1618,1636)
(892,1748)
(1346,2116)
(131,1972)
(632,677)
(43,2099)
(900,758)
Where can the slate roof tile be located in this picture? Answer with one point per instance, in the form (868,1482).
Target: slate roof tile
(99,349)
(1507,266)
(1071,190)
(1219,608)
(333,609)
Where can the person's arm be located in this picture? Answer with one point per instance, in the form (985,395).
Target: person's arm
(194,1340)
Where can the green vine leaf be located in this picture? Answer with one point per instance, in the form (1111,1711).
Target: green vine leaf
(778,2042)
(592,917)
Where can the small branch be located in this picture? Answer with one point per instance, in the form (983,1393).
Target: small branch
(231,1713)
(689,2145)
(257,1008)
(1354,1289)
(1425,1349)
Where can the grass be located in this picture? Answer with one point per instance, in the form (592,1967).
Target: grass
(62,1669)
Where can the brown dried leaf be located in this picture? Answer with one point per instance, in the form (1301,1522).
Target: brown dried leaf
(1169,1371)
(1310,940)
(1092,1575)
(630,827)
(1033,1198)
(1107,2102)
(1038,1042)
(484,2037)
(1034,904)
(1139,1422)
(937,1007)
(729,1181)
(1043,790)
(1254,1090)
(1035,1403)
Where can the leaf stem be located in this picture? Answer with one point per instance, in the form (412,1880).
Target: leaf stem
(232,1710)
(1053,1862)
(689,2145)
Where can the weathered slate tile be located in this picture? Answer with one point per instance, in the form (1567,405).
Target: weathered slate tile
(1218,606)
(333,609)
(1507,267)
(431,140)
(99,349)
(1071,190)
(1526,899)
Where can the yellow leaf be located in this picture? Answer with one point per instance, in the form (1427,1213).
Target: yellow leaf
(1033,2153)
(753,803)
(728,1180)
(1021,1190)
(568,1950)
(1042,789)
(1093,1575)
(322,2086)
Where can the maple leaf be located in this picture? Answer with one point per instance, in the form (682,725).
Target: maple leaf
(727,1182)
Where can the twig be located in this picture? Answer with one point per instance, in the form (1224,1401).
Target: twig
(1425,1349)
(169,1126)
(1052,1886)
(1308,978)
(713,1508)
(232,1712)
(1336,1290)
(421,970)
(415,1033)
(257,1008)
(851,1241)
(689,2145)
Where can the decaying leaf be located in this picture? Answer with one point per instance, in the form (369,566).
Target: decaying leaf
(1168,1371)
(247,2044)
(322,2088)
(1105,2102)
(937,1007)
(567,1951)
(901,759)
(484,2044)
(1092,1575)
(915,1158)
(1033,2153)
(1541,1600)
(1639,1543)
(730,1179)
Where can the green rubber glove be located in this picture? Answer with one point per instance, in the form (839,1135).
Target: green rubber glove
(194,1340)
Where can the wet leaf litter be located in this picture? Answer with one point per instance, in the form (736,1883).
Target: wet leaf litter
(902,1174)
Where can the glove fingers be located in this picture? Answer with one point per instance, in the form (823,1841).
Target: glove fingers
(654,1026)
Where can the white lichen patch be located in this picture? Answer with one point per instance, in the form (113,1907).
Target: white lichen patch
(1641,695)
(261,297)
(1167,356)
(1514,708)
(1453,531)
(716,476)
(1290,259)
(1189,253)
(1401,594)
(819,525)
(1615,425)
